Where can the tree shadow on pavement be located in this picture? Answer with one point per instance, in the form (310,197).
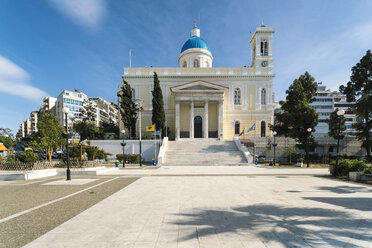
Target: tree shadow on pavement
(291,226)
(346,189)
(358,203)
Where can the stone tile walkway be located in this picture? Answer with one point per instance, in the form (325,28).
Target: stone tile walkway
(223,211)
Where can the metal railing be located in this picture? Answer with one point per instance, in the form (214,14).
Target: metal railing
(21,166)
(42,165)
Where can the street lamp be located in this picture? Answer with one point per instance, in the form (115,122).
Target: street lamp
(340,113)
(140,108)
(274,145)
(65,111)
(123,132)
(307,146)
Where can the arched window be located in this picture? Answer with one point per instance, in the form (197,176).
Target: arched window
(237,96)
(237,127)
(263,96)
(196,63)
(184,65)
(263,129)
(207,64)
(264,48)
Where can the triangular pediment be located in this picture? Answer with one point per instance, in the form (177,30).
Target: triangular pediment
(199,86)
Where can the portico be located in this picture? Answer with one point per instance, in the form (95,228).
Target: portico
(199,110)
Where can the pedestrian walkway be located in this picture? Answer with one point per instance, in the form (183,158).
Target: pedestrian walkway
(223,211)
(221,171)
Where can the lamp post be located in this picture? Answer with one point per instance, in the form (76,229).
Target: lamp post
(340,113)
(65,110)
(274,145)
(140,108)
(123,132)
(307,146)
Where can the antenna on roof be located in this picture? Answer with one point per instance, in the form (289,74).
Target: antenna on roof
(130,58)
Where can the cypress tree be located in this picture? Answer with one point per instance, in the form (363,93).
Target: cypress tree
(128,109)
(158,114)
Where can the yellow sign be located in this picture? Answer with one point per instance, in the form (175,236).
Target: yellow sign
(150,128)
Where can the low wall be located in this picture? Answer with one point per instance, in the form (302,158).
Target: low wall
(244,150)
(132,147)
(27,175)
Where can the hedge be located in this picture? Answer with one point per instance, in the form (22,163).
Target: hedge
(349,165)
(129,158)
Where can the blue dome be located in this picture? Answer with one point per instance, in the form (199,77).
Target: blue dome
(195,42)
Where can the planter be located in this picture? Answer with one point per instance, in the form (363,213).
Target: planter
(354,176)
(300,164)
(332,169)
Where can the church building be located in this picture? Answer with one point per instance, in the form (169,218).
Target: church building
(202,101)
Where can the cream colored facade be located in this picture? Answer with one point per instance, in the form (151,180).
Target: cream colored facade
(202,101)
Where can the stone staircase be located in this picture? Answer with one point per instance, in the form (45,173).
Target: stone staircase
(203,152)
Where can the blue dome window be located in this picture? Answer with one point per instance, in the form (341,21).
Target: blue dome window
(195,42)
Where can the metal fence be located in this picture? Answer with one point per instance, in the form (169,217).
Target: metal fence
(20,166)
(42,165)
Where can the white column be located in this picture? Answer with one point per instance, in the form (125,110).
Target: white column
(220,119)
(205,119)
(192,120)
(177,120)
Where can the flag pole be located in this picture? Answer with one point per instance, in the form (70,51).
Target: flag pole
(155,146)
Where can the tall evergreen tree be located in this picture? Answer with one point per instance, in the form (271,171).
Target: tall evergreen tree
(296,115)
(359,89)
(128,108)
(334,125)
(158,114)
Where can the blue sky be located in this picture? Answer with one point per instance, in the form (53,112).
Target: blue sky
(47,46)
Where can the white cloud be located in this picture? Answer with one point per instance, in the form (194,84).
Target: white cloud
(15,81)
(89,13)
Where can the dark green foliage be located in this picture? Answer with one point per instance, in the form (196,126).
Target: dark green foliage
(87,130)
(129,158)
(74,151)
(101,154)
(334,123)
(91,151)
(109,128)
(359,89)
(128,108)
(158,114)
(349,165)
(367,170)
(296,115)
(49,134)
(28,157)
(6,137)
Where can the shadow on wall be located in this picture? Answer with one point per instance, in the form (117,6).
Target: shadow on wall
(291,226)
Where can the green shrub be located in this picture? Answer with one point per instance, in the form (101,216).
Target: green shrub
(129,158)
(28,156)
(367,170)
(348,165)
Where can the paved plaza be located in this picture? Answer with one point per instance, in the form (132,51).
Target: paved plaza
(284,208)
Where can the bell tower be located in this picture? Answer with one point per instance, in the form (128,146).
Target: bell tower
(261,42)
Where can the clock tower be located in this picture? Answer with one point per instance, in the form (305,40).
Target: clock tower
(261,43)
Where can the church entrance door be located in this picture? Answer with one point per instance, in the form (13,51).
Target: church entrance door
(198,127)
